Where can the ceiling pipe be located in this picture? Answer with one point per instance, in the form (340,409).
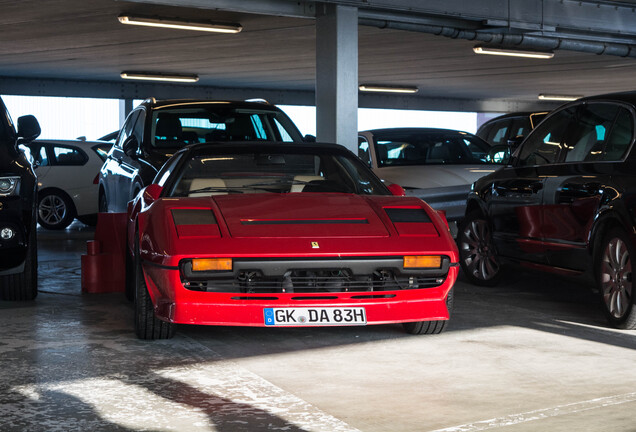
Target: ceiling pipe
(508,40)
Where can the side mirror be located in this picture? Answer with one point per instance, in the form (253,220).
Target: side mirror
(396,189)
(131,146)
(309,138)
(152,192)
(28,129)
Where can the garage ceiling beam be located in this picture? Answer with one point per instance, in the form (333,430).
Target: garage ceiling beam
(126,90)
(600,17)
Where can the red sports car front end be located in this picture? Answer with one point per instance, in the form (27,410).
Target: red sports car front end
(297,259)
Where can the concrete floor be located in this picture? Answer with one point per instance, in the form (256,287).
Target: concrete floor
(533,354)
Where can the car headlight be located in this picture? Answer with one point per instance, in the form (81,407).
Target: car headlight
(9,186)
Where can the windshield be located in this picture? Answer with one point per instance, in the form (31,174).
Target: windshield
(255,171)
(176,127)
(430,148)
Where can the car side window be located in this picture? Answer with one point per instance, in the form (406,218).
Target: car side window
(589,136)
(127,129)
(620,137)
(69,156)
(520,127)
(499,132)
(138,129)
(543,145)
(284,135)
(165,171)
(42,158)
(363,150)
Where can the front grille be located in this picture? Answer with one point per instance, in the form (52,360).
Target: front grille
(312,281)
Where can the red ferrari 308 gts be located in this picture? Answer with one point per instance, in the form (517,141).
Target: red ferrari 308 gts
(275,235)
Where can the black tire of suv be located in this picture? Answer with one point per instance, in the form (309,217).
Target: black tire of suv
(52,196)
(431,327)
(614,277)
(147,325)
(23,286)
(102,204)
(474,241)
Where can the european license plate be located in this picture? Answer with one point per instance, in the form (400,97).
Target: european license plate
(315,316)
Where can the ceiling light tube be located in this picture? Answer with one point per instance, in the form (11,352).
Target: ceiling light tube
(480,49)
(387,89)
(181,24)
(555,97)
(150,76)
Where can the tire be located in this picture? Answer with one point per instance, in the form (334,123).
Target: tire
(130,277)
(431,327)
(614,278)
(55,210)
(102,204)
(477,253)
(147,325)
(23,286)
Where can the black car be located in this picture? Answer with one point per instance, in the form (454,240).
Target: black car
(566,204)
(18,208)
(155,130)
(509,127)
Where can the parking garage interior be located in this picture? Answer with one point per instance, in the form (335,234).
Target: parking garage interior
(533,353)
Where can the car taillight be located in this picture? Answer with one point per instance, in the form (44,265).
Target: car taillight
(96,179)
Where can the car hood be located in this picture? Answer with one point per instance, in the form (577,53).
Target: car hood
(300,215)
(434,176)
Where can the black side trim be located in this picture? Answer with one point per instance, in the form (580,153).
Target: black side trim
(305,222)
(407,215)
(193,217)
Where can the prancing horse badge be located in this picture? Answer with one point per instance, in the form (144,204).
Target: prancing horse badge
(315,245)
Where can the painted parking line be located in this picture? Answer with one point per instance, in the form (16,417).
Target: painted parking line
(557,411)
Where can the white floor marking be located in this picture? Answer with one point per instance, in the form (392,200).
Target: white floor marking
(528,416)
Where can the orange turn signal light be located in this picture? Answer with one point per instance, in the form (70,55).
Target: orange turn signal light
(424,261)
(211,264)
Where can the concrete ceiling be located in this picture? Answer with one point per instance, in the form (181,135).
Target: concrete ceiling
(78,48)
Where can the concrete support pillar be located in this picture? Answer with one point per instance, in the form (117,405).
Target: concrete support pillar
(125,107)
(337,75)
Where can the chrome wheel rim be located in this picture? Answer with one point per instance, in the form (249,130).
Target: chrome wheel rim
(52,209)
(616,278)
(478,253)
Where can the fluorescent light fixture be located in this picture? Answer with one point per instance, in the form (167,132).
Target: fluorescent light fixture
(387,89)
(555,97)
(207,26)
(480,49)
(151,76)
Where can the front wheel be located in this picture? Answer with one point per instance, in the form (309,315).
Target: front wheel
(147,325)
(431,327)
(102,204)
(477,254)
(614,278)
(55,210)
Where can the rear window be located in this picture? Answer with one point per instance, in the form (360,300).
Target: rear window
(175,127)
(430,148)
